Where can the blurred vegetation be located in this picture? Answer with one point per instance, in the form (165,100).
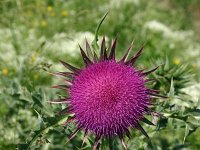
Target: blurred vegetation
(35,34)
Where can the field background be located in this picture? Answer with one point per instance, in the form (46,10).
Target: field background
(35,34)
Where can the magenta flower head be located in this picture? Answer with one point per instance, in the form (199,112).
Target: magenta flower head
(106,96)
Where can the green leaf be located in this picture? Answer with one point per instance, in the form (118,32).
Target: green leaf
(22,146)
(52,122)
(198,103)
(94,42)
(171,91)
(186,133)
(193,122)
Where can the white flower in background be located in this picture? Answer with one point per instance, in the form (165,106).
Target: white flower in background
(5,34)
(195,49)
(194,52)
(68,44)
(167,32)
(115,4)
(25,42)
(12,134)
(61,42)
(27,116)
(119,3)
(5,40)
(8,134)
(193,91)
(6,45)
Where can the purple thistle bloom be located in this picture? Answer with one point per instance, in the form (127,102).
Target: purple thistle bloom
(107,97)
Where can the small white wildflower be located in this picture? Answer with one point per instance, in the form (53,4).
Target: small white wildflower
(193,91)
(68,44)
(167,32)
(119,3)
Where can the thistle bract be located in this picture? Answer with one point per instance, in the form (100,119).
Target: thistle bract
(107,97)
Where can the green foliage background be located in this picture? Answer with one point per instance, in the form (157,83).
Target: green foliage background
(35,34)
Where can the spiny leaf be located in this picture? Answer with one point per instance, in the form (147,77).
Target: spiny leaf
(112,50)
(96,142)
(186,133)
(139,127)
(103,46)
(52,122)
(135,57)
(150,71)
(88,50)
(145,120)
(86,60)
(63,87)
(70,67)
(124,58)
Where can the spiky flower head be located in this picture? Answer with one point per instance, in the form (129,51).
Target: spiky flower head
(107,97)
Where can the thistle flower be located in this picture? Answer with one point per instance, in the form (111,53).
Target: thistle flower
(106,96)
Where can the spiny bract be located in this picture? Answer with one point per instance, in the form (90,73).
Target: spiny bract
(107,97)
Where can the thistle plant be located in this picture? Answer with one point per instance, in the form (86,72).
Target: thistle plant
(35,34)
(107,97)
